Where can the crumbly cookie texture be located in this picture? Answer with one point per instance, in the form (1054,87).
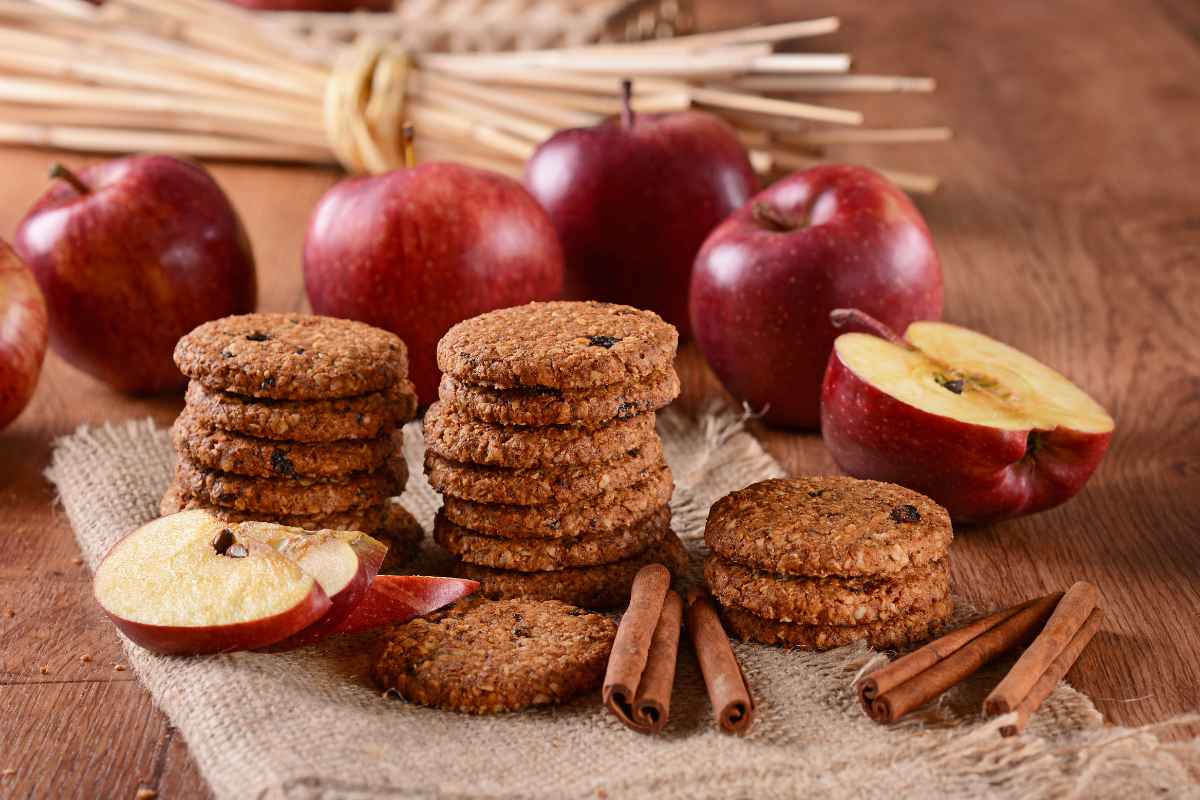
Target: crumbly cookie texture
(828,600)
(363,416)
(607,511)
(546,555)
(916,626)
(291,496)
(835,525)
(545,405)
(541,485)
(370,520)
(458,437)
(563,344)
(292,356)
(601,587)
(485,657)
(238,454)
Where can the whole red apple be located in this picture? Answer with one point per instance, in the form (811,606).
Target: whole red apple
(131,254)
(978,426)
(767,278)
(633,200)
(416,250)
(23,331)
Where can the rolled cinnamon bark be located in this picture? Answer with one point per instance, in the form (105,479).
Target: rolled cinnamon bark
(1057,671)
(1068,617)
(631,648)
(922,675)
(728,691)
(652,705)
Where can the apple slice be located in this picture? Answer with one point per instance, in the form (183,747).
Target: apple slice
(398,598)
(979,426)
(187,584)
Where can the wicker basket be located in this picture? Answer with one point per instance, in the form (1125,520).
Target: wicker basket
(483,25)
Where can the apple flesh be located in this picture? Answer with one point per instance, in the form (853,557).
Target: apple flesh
(23,332)
(188,584)
(131,254)
(393,599)
(768,277)
(978,426)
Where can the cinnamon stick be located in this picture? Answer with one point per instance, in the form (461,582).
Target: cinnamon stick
(631,649)
(728,691)
(1069,616)
(915,679)
(1056,672)
(652,705)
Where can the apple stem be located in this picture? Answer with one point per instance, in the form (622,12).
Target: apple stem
(410,155)
(862,322)
(772,218)
(59,172)
(627,103)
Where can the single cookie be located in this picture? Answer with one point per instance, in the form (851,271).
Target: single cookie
(603,587)
(483,657)
(402,534)
(363,416)
(264,458)
(291,496)
(368,520)
(538,485)
(607,511)
(829,600)
(292,356)
(546,555)
(460,438)
(812,527)
(916,626)
(545,405)
(564,344)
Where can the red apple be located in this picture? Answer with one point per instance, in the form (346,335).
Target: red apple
(633,199)
(131,254)
(392,599)
(416,250)
(767,278)
(189,583)
(23,326)
(978,426)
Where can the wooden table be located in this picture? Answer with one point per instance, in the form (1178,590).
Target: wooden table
(1068,226)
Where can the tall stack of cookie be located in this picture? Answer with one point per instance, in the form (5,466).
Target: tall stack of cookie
(820,562)
(544,448)
(294,419)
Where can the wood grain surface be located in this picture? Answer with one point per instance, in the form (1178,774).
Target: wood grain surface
(1068,225)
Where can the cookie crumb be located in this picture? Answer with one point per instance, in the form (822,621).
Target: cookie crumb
(85,658)
(145,793)
(44,670)
(77,561)
(7,773)
(119,667)
(10,613)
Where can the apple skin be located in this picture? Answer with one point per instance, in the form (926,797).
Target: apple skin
(392,599)
(633,202)
(23,333)
(415,251)
(978,473)
(150,252)
(760,297)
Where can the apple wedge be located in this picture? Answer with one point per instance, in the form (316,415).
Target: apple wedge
(392,599)
(188,584)
(978,426)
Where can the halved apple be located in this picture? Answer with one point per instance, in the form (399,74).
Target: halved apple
(392,599)
(188,584)
(976,425)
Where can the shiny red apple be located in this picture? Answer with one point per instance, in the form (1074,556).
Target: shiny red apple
(393,599)
(23,332)
(980,427)
(767,278)
(416,250)
(131,254)
(633,199)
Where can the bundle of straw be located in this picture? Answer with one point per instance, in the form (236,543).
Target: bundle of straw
(206,79)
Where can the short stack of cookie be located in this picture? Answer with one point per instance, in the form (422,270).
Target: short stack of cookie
(295,419)
(544,448)
(821,562)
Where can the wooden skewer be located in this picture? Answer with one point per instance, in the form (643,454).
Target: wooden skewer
(915,182)
(832,83)
(767,105)
(869,136)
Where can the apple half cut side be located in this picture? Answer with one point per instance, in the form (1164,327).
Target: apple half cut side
(185,584)
(978,426)
(393,599)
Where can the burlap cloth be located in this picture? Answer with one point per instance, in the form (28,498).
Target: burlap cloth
(308,724)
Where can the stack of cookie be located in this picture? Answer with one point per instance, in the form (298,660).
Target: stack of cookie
(544,448)
(293,419)
(818,563)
